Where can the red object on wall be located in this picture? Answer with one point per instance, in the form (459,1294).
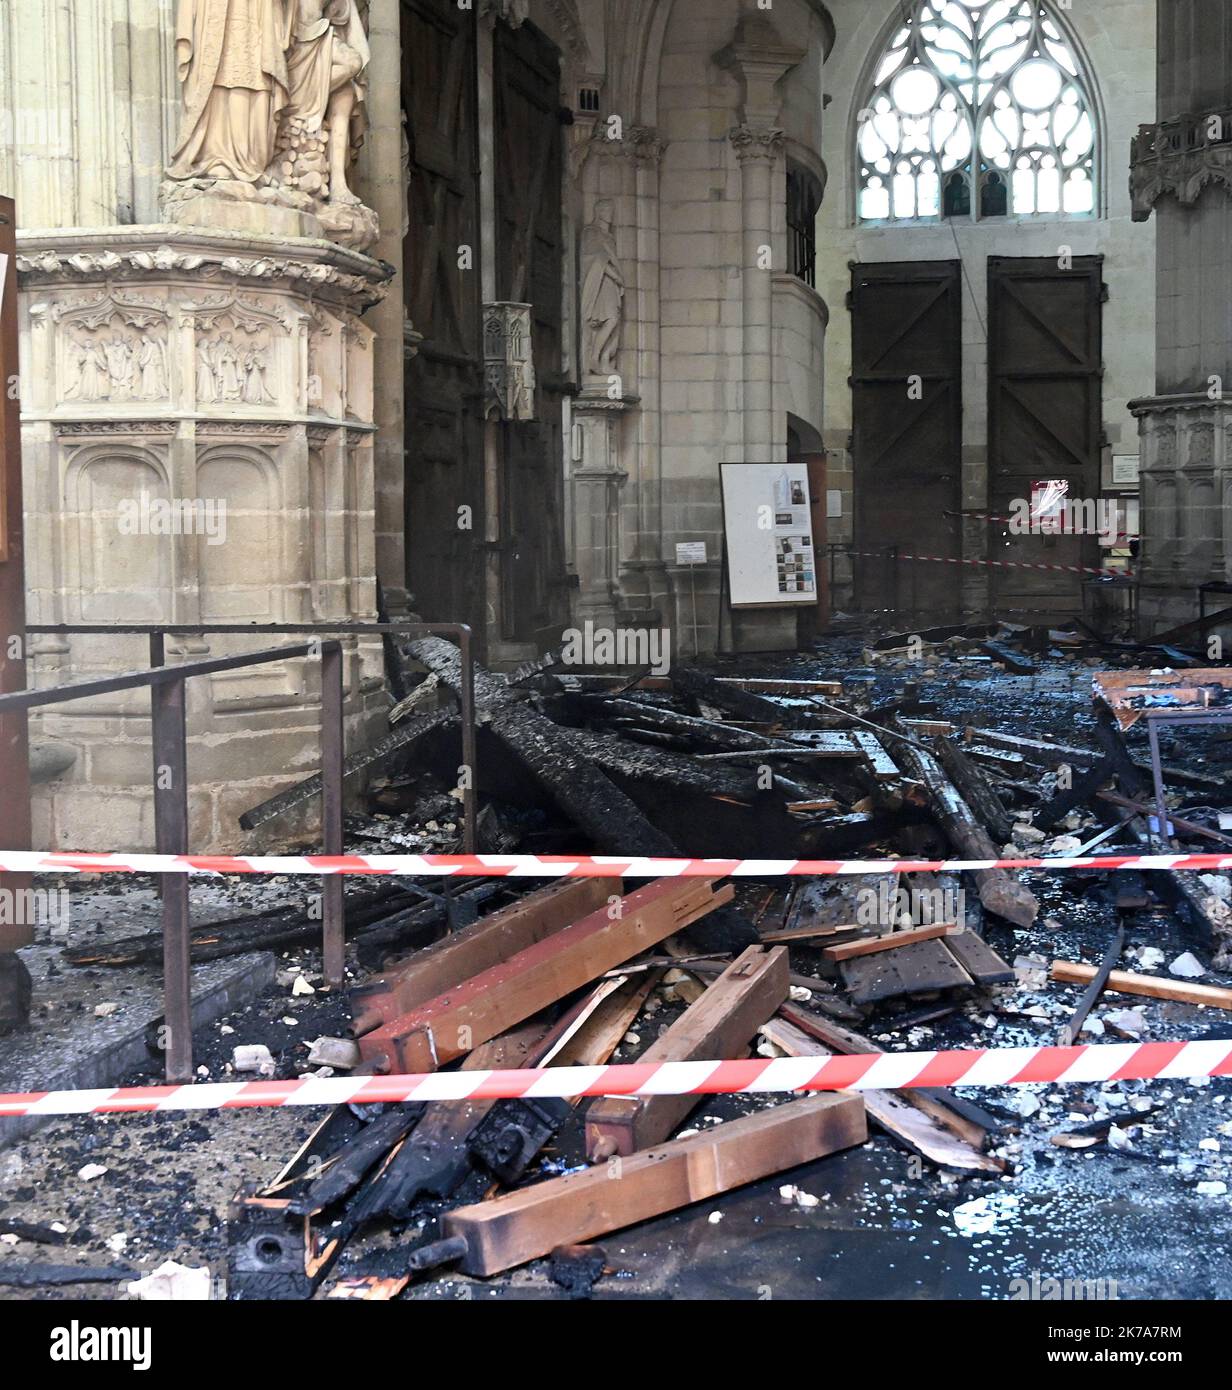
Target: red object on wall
(14,756)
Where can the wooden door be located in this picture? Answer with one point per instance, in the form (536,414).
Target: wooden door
(529,269)
(444,380)
(1045,386)
(907,434)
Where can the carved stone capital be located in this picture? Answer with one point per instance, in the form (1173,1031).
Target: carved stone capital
(1179,157)
(750,143)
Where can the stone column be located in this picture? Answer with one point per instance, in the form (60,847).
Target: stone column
(759,152)
(1182,171)
(385,186)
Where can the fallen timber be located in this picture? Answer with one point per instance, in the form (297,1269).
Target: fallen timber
(521,1226)
(595,804)
(720,1023)
(998,892)
(442,1029)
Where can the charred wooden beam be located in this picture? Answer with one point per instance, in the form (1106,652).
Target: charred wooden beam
(441,1029)
(998,891)
(975,789)
(598,807)
(719,1024)
(401,740)
(522,1226)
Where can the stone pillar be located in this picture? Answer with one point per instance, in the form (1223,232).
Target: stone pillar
(1182,170)
(198,385)
(759,152)
(386,189)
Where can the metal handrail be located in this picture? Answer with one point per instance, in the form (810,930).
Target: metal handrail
(461,632)
(169,737)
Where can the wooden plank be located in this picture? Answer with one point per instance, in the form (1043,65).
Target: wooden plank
(889,941)
(1149,986)
(883,766)
(434,1158)
(959,1116)
(451,1024)
(893,1111)
(719,1024)
(603,1031)
(918,969)
(978,959)
(476,948)
(524,1225)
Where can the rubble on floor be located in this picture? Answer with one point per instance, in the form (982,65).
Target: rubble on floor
(378,1202)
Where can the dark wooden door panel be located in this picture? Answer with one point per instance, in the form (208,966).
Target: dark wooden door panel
(529,269)
(444,405)
(907,432)
(1045,418)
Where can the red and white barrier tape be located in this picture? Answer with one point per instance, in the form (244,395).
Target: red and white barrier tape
(869,1071)
(560,865)
(993,564)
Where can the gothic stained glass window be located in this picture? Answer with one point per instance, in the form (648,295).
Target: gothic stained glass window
(978,108)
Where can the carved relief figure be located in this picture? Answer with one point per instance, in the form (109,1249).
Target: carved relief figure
(603,292)
(119,354)
(227,370)
(231,61)
(151,370)
(255,392)
(325,69)
(206,393)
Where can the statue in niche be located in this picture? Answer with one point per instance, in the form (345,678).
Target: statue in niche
(231,58)
(603,292)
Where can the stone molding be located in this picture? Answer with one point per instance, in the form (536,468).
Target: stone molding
(1176,157)
(155,253)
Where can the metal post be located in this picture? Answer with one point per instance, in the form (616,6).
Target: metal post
(333,938)
(469,752)
(167,712)
(158,651)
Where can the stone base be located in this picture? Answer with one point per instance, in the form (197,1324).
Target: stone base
(197,446)
(268,211)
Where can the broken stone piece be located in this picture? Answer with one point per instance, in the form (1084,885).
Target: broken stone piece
(253,1057)
(173,1283)
(1187,967)
(340,1053)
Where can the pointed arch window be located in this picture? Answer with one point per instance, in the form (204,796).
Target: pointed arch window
(978,109)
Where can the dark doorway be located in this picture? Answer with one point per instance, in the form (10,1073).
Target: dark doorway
(1044,418)
(529,269)
(444,380)
(907,434)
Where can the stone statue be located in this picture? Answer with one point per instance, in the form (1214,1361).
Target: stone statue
(273,111)
(603,292)
(231,57)
(326,68)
